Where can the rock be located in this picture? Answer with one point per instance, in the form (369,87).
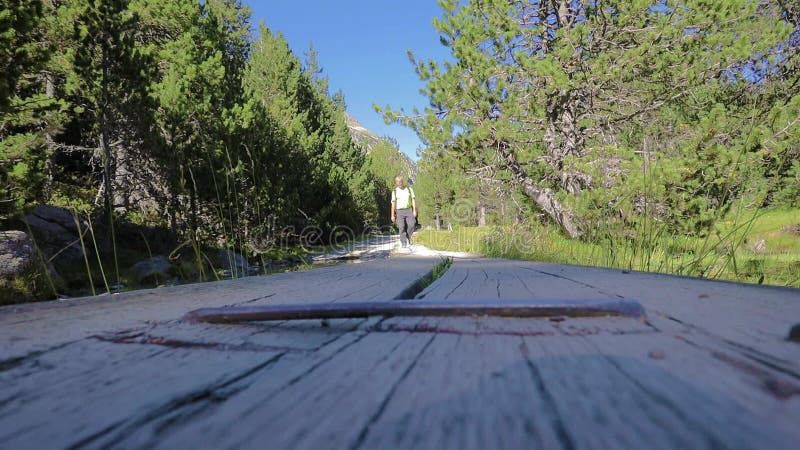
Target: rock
(157,268)
(17,253)
(235,264)
(22,276)
(174,281)
(55,232)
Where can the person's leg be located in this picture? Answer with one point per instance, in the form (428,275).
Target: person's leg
(412,225)
(401,224)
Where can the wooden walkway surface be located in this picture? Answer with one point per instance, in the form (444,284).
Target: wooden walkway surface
(709,367)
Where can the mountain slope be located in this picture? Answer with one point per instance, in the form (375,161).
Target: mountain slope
(380,148)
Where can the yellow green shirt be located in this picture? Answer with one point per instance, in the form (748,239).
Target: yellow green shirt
(402,197)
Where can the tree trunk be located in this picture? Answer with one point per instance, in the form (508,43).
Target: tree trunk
(106,148)
(192,206)
(49,164)
(544,198)
(563,138)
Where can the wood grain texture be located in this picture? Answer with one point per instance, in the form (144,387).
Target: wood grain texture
(31,328)
(754,317)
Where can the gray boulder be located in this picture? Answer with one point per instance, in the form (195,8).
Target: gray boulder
(17,253)
(235,264)
(56,232)
(156,267)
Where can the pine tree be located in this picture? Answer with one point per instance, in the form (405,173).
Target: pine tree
(106,76)
(325,167)
(28,115)
(540,90)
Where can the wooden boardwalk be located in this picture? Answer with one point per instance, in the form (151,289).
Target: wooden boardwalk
(709,367)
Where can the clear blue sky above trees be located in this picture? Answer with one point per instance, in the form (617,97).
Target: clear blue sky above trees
(362,47)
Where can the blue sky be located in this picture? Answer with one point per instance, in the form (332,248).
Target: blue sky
(362,50)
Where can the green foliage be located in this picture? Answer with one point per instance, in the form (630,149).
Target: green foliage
(612,113)
(19,50)
(677,129)
(325,174)
(26,114)
(33,284)
(166,113)
(386,162)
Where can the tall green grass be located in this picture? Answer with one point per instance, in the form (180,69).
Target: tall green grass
(734,251)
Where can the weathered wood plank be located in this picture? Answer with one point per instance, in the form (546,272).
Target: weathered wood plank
(324,405)
(557,392)
(468,392)
(750,316)
(607,401)
(671,381)
(68,397)
(102,392)
(428,390)
(498,278)
(769,397)
(37,327)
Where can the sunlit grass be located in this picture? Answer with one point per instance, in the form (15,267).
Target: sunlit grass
(735,252)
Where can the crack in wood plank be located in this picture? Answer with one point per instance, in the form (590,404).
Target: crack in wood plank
(768,360)
(153,433)
(767,380)
(424,327)
(12,363)
(524,284)
(369,286)
(668,403)
(148,339)
(322,361)
(780,389)
(118,431)
(760,357)
(538,380)
(557,330)
(466,275)
(263,297)
(252,410)
(580,283)
(377,415)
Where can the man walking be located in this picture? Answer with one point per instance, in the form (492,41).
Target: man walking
(404,210)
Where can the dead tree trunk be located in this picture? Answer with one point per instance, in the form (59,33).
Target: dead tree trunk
(544,198)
